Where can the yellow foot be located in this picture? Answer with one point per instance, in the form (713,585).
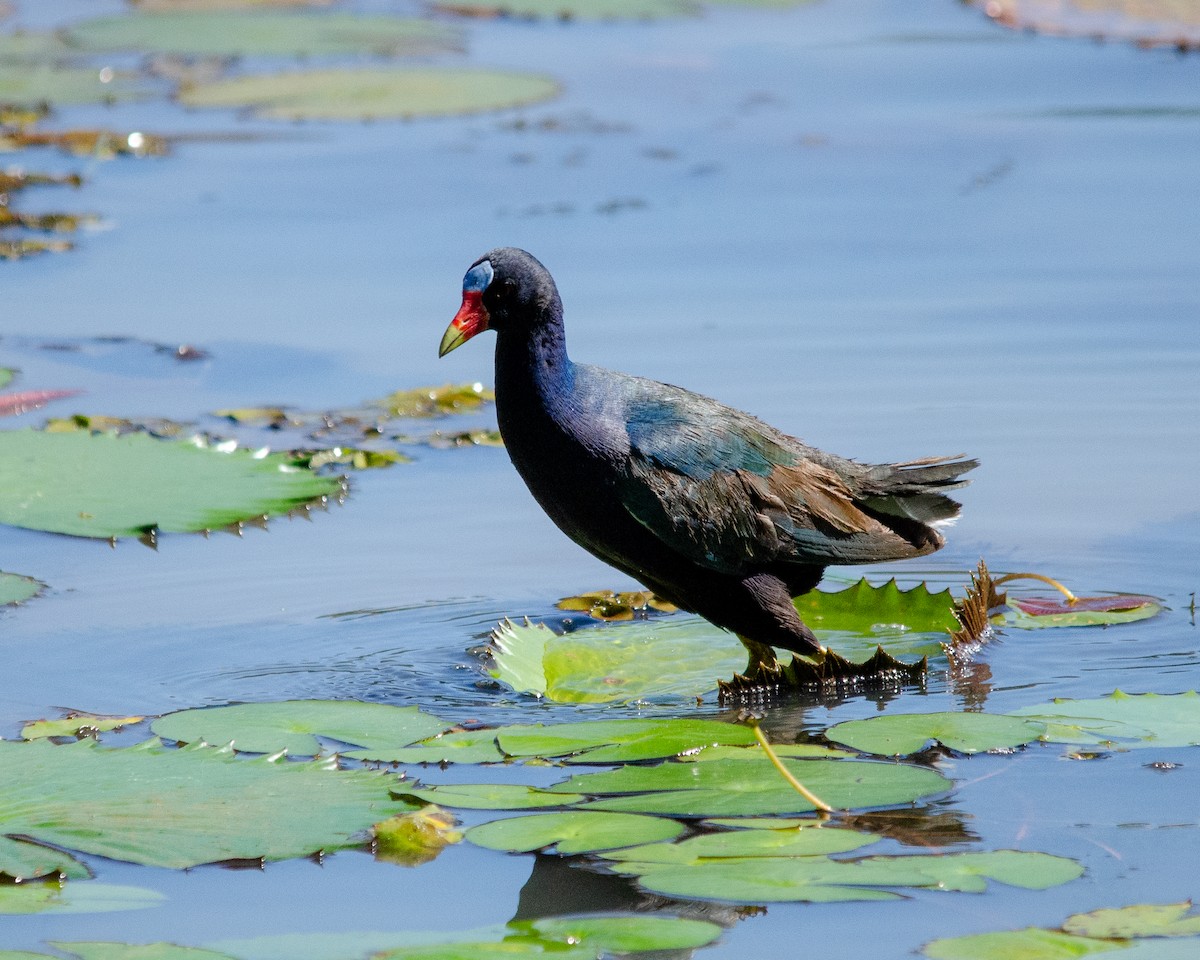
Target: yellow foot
(762,657)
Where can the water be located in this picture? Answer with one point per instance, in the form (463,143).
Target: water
(894,230)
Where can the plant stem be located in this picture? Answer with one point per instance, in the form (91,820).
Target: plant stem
(786,773)
(1071,598)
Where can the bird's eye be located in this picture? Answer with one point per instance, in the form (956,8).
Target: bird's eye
(510,286)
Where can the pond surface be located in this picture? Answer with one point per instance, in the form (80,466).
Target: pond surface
(892,229)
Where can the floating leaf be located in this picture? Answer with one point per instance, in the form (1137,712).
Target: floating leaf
(436,401)
(15,588)
(573,831)
(1030,614)
(93,144)
(1029,944)
(1140,920)
(820,879)
(99,423)
(869,610)
(571,9)
(88,897)
(489,796)
(292,725)
(669,657)
(1174,23)
(75,725)
(724,788)
(180,808)
(264,33)
(21,861)
(459,746)
(371,94)
(20,249)
(1127,720)
(142,951)
(607,605)
(109,486)
(6,373)
(900,734)
(39,83)
(411,839)
(569,938)
(619,741)
(806,841)
(12,404)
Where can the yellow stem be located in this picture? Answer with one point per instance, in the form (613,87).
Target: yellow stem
(1071,598)
(787,774)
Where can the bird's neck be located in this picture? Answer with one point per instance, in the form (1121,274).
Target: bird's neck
(533,372)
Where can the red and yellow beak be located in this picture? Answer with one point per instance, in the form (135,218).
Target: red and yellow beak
(472,318)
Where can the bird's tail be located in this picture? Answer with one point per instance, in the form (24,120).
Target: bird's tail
(915,489)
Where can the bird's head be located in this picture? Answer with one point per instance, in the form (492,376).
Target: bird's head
(506,289)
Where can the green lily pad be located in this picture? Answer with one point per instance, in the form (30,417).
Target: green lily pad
(102,485)
(1146,22)
(264,33)
(181,808)
(292,725)
(1130,721)
(371,94)
(460,746)
(15,588)
(809,841)
(21,861)
(1028,944)
(901,734)
(676,657)
(90,897)
(489,796)
(1140,920)
(730,788)
(76,725)
(6,376)
(98,950)
(619,741)
(411,839)
(572,9)
(436,401)
(573,831)
(869,610)
(820,879)
(28,83)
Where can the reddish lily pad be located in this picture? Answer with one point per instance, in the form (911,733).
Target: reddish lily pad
(1034,612)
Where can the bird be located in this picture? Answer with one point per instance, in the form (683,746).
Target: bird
(712,509)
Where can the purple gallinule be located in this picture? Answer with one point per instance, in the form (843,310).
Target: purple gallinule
(709,507)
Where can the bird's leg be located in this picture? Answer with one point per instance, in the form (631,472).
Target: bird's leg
(762,657)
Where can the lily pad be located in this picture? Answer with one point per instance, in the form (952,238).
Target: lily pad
(489,796)
(1148,22)
(807,841)
(101,485)
(868,610)
(100,950)
(25,83)
(1129,721)
(15,588)
(572,9)
(292,725)
(7,373)
(1140,920)
(459,746)
(609,605)
(372,94)
(88,897)
(12,404)
(1033,614)
(411,839)
(619,741)
(1029,944)
(21,861)
(263,33)
(573,831)
(181,808)
(901,734)
(668,657)
(730,788)
(436,401)
(820,879)
(75,725)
